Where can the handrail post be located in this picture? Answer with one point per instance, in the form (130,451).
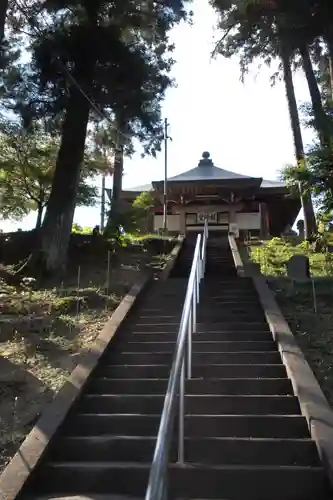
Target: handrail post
(194,307)
(181,415)
(189,344)
(163,494)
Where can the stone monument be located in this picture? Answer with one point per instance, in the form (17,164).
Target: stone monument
(298,267)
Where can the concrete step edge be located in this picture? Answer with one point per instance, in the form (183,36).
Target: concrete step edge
(147,465)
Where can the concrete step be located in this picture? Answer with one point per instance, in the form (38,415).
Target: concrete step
(136,424)
(222,336)
(231,285)
(227,304)
(155,319)
(207,287)
(176,304)
(220,270)
(194,404)
(224,269)
(211,306)
(205,327)
(255,451)
(225,263)
(226,280)
(259,483)
(91,496)
(211,371)
(229,315)
(226,288)
(228,358)
(205,302)
(254,386)
(229,301)
(160,308)
(131,327)
(197,346)
(225,260)
(238,296)
(235,325)
(218,296)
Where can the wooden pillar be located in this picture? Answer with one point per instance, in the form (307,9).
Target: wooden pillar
(182,220)
(232,214)
(264,228)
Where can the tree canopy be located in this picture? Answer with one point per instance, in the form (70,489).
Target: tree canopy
(297,34)
(27,162)
(91,61)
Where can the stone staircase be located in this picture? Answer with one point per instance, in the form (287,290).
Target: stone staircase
(245,436)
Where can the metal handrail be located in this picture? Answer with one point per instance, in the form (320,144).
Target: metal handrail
(158,477)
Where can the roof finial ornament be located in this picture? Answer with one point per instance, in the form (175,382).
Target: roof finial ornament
(206,160)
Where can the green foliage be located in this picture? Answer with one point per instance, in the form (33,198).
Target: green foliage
(324,220)
(27,163)
(145,201)
(26,171)
(315,175)
(141,212)
(77,229)
(273,256)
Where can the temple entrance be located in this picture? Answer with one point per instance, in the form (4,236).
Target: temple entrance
(218,221)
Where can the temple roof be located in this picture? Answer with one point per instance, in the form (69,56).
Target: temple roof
(207,171)
(272,184)
(145,187)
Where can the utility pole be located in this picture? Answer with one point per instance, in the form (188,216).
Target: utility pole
(103,203)
(165,191)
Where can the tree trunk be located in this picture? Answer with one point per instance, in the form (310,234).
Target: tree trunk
(329,43)
(3,12)
(39,216)
(58,220)
(310,225)
(321,122)
(113,218)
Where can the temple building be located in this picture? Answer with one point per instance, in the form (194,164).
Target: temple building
(231,202)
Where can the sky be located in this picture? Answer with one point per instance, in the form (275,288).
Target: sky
(245,127)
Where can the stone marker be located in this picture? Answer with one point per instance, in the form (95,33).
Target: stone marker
(298,267)
(301,229)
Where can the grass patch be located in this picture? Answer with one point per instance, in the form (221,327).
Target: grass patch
(42,336)
(272,256)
